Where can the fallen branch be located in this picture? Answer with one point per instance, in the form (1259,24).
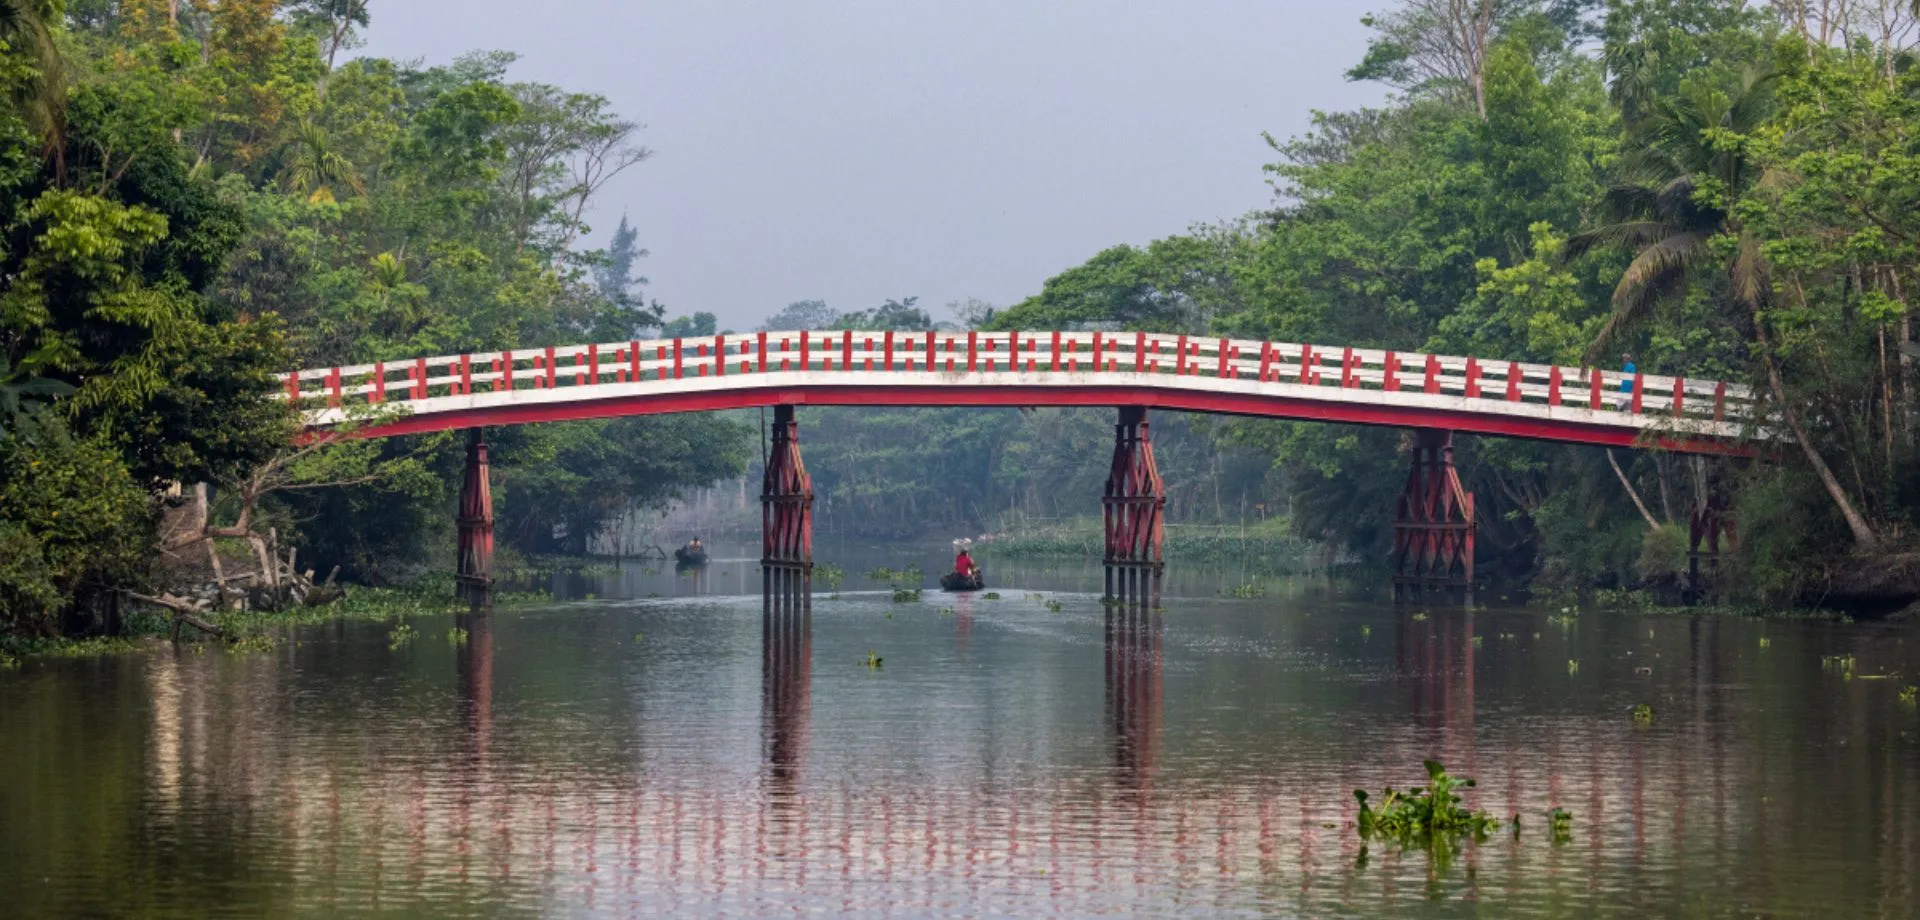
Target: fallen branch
(183,612)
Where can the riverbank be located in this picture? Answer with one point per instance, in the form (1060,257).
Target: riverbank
(254,630)
(1267,543)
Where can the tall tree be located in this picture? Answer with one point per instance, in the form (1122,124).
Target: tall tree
(614,277)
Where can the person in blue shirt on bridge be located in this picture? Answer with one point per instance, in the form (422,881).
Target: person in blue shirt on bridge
(1630,369)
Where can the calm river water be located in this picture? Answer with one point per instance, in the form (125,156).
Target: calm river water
(626,754)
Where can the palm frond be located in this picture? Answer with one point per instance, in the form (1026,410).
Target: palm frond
(1657,273)
(1634,233)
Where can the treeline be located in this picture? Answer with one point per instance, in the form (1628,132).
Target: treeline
(1718,189)
(198,194)
(885,473)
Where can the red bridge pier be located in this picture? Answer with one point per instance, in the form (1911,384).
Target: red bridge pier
(1134,508)
(786,521)
(1433,522)
(473,575)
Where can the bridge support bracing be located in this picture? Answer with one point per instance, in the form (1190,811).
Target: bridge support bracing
(473,575)
(1709,529)
(786,521)
(1134,507)
(1433,522)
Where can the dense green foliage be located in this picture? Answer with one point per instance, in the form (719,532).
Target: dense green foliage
(1718,189)
(196,196)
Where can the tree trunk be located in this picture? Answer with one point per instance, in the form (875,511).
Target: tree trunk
(1637,503)
(1863,535)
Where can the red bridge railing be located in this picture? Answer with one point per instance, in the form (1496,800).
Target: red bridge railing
(1036,359)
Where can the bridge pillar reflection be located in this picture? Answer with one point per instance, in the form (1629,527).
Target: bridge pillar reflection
(1134,509)
(1433,522)
(473,575)
(786,520)
(1133,645)
(786,698)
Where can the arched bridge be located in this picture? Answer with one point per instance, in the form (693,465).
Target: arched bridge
(1434,394)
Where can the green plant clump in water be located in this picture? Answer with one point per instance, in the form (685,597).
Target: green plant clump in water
(1250,589)
(401,634)
(910,573)
(456,636)
(1366,631)
(1643,714)
(1909,693)
(1559,825)
(1573,666)
(873,661)
(1420,618)
(1053,606)
(991,596)
(906,595)
(830,575)
(1423,814)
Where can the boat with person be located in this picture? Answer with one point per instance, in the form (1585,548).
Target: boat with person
(955,581)
(692,555)
(966,575)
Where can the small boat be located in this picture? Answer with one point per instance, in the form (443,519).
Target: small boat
(954,581)
(689,558)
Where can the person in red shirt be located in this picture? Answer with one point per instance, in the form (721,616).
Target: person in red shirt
(963,563)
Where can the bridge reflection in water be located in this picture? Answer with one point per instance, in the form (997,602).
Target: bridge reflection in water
(686,837)
(518,772)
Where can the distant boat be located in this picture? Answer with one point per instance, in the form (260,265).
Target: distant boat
(954,581)
(688,557)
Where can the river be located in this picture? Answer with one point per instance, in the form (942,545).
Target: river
(637,746)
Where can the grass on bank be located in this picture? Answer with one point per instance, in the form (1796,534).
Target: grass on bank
(254,630)
(1269,541)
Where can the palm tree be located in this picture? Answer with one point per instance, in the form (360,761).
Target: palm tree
(1655,211)
(27,27)
(314,167)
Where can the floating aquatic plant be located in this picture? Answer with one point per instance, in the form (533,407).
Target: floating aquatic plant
(1909,693)
(1250,589)
(873,661)
(1559,825)
(910,573)
(1423,814)
(456,636)
(1573,666)
(401,634)
(1643,714)
(991,596)
(1420,617)
(830,575)
(1053,606)
(1366,631)
(904,596)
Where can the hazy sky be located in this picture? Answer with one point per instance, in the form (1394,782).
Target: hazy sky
(858,150)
